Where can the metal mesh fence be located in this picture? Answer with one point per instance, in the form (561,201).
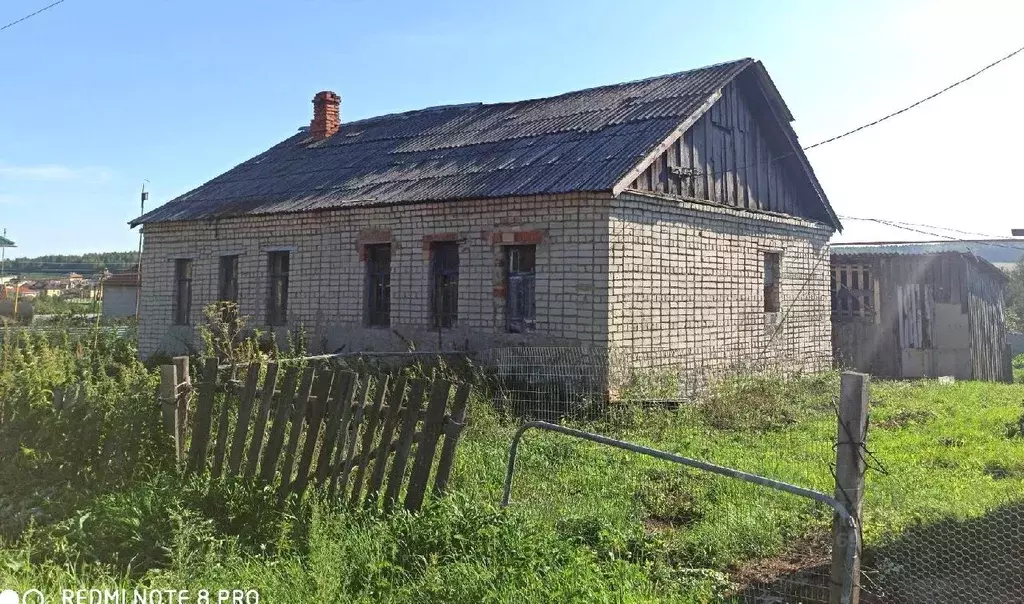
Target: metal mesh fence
(969,560)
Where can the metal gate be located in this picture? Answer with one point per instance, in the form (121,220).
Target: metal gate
(843,587)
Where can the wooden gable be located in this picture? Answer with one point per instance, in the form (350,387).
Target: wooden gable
(738,154)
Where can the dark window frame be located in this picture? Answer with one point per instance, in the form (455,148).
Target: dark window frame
(444,284)
(227,278)
(772,267)
(520,262)
(181,304)
(278,265)
(378,284)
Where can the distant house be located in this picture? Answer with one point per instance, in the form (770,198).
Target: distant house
(908,310)
(120,292)
(675,219)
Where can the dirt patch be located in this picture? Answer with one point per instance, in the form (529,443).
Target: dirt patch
(801,573)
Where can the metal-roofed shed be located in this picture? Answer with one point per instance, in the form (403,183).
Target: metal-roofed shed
(918,309)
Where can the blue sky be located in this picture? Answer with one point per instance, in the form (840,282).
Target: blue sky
(98,95)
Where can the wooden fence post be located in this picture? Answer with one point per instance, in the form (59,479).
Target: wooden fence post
(182,392)
(850,466)
(168,381)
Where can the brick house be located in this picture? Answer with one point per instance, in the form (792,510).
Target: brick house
(675,217)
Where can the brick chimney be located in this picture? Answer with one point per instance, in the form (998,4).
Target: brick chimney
(326,115)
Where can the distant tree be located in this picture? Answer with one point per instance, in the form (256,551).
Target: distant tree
(61,264)
(1014,298)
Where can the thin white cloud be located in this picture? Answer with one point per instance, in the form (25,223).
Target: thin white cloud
(54,172)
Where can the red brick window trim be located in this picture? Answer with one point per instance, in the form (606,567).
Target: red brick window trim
(532,237)
(428,240)
(368,237)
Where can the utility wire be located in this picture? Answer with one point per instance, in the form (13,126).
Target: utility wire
(928,226)
(924,100)
(869,124)
(904,226)
(29,16)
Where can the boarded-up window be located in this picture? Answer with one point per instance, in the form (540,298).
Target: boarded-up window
(772,261)
(182,304)
(853,291)
(277,298)
(378,285)
(227,282)
(444,283)
(520,264)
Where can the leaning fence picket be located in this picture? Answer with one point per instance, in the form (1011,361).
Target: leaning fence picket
(341,394)
(369,431)
(432,423)
(409,420)
(204,418)
(384,448)
(318,408)
(353,437)
(452,432)
(220,447)
(344,434)
(297,420)
(262,415)
(279,427)
(326,427)
(244,418)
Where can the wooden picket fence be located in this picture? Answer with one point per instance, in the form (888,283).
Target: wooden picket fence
(362,437)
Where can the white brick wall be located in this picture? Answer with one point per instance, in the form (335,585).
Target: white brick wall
(686,288)
(666,283)
(326,289)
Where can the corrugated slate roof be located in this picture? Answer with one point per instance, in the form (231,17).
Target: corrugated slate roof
(579,141)
(967,249)
(915,248)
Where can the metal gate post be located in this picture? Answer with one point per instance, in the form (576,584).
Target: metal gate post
(840,509)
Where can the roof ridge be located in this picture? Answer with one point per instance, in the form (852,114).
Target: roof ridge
(475,104)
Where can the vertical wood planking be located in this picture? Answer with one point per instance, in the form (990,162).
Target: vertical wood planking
(204,417)
(341,397)
(409,420)
(240,438)
(282,413)
(182,396)
(318,408)
(298,418)
(353,437)
(262,415)
(433,421)
(344,426)
(384,448)
(220,447)
(452,432)
(369,432)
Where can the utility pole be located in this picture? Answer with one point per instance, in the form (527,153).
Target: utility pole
(3,257)
(138,267)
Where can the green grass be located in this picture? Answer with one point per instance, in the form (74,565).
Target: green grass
(586,523)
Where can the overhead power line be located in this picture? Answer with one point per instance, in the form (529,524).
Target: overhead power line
(926,226)
(905,227)
(29,16)
(870,124)
(915,104)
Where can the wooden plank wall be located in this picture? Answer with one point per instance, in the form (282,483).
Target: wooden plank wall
(727,157)
(988,330)
(908,289)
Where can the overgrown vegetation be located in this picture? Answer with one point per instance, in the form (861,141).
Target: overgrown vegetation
(586,523)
